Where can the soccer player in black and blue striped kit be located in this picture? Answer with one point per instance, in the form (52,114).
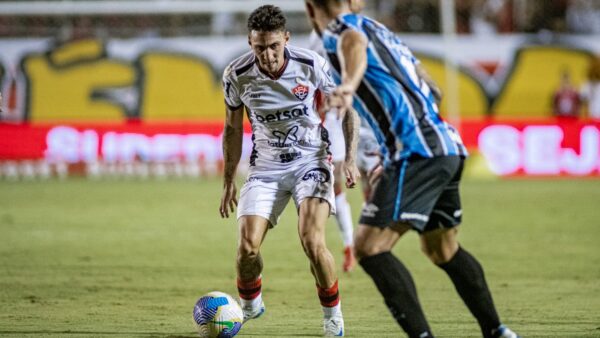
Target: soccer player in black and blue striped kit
(423,160)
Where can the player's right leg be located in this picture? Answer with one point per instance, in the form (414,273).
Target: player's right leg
(375,237)
(313,213)
(262,200)
(252,231)
(373,247)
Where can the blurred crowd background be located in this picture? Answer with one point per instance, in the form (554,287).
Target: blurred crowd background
(478,17)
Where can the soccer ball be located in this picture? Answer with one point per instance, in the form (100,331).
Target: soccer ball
(218,315)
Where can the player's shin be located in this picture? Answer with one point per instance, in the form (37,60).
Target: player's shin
(397,287)
(468,278)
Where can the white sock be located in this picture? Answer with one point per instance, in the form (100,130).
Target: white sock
(252,303)
(344,219)
(330,312)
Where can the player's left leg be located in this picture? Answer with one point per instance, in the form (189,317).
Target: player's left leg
(343,216)
(313,214)
(468,278)
(439,243)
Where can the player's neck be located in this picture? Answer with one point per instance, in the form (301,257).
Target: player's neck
(279,72)
(331,15)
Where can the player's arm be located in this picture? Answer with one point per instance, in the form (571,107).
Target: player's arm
(435,89)
(353,62)
(351,127)
(232,151)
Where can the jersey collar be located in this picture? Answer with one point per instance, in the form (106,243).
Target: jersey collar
(286,56)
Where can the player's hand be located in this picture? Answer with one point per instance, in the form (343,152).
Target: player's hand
(341,99)
(352,173)
(228,200)
(0,102)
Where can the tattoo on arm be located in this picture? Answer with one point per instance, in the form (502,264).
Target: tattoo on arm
(350,127)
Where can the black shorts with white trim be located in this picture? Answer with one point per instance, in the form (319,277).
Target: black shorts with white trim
(421,192)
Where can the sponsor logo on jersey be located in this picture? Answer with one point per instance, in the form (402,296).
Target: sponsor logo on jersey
(282,137)
(320,175)
(289,157)
(300,91)
(281,115)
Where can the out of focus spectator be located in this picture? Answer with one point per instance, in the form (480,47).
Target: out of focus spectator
(566,103)
(590,92)
(547,15)
(583,16)
(410,16)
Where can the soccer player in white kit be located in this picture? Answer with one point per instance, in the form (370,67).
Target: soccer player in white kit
(280,87)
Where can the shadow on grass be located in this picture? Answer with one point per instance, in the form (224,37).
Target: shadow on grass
(99,333)
(134,333)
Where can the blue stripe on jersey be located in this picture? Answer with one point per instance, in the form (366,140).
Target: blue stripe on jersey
(399,193)
(394,96)
(379,121)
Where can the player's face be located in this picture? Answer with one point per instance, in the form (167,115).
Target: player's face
(311,12)
(269,49)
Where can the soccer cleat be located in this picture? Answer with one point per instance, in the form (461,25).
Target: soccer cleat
(333,327)
(253,313)
(349,260)
(505,332)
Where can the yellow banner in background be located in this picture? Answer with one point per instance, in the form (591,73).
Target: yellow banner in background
(81,81)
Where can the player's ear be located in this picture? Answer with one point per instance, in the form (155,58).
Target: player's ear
(287,37)
(310,10)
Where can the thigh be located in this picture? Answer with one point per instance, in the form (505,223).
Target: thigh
(314,179)
(264,195)
(380,206)
(447,211)
(423,182)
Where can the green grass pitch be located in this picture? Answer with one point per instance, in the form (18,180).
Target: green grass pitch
(130,258)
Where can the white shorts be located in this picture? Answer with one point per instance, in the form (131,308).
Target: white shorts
(336,136)
(367,144)
(267,192)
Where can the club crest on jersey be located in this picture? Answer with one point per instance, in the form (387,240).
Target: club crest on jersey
(300,91)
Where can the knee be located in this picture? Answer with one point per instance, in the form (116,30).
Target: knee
(247,250)
(438,253)
(364,248)
(313,247)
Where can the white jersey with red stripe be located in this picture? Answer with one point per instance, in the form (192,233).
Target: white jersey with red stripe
(282,110)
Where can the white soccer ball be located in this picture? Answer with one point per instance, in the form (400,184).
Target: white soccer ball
(218,315)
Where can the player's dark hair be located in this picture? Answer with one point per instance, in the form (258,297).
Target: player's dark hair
(267,18)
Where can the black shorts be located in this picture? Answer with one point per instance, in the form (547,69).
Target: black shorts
(421,192)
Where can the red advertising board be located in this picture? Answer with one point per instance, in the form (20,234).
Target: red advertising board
(533,147)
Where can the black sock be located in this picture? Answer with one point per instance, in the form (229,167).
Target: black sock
(467,275)
(398,290)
